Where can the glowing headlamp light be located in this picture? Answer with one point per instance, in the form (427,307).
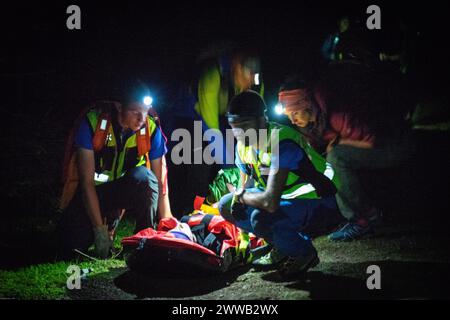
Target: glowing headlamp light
(256,79)
(147,100)
(279,109)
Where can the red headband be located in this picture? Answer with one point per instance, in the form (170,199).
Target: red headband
(294,100)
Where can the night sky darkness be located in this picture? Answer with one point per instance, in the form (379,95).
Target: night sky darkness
(158,41)
(154,41)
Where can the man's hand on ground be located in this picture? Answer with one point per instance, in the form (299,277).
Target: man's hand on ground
(102,241)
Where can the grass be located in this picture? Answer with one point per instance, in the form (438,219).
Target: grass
(413,258)
(48,280)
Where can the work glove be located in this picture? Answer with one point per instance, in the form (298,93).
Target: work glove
(102,241)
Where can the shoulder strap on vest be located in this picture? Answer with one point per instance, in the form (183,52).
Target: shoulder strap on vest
(101,131)
(143,140)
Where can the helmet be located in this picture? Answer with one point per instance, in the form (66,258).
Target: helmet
(248,104)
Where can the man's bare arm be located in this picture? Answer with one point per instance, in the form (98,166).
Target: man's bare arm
(159,168)
(268,200)
(86,171)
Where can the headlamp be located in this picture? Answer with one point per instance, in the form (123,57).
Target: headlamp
(147,100)
(279,109)
(256,79)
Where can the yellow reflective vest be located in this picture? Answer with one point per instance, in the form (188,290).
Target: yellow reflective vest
(314,179)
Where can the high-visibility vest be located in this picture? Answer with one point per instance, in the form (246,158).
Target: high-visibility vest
(110,163)
(313,179)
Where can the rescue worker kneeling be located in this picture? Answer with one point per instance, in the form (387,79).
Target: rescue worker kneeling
(115,163)
(293,192)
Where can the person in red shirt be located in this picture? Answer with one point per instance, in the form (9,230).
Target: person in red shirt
(351,141)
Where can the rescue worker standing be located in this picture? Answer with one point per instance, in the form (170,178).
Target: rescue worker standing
(293,192)
(220,74)
(221,78)
(116,162)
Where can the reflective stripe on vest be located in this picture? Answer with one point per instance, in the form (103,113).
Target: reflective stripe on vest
(293,189)
(139,144)
(307,190)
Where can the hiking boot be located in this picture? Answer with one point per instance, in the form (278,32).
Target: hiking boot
(299,265)
(350,231)
(271,259)
(260,251)
(357,229)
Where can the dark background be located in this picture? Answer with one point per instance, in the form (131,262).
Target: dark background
(159,41)
(48,73)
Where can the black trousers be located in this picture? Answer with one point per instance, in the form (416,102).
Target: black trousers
(136,192)
(188,180)
(347,161)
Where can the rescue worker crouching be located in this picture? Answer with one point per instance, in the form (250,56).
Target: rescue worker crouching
(353,142)
(116,162)
(293,192)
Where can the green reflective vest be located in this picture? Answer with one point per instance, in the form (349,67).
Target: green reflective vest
(310,181)
(112,163)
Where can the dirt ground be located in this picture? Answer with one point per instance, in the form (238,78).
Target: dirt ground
(409,270)
(411,249)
